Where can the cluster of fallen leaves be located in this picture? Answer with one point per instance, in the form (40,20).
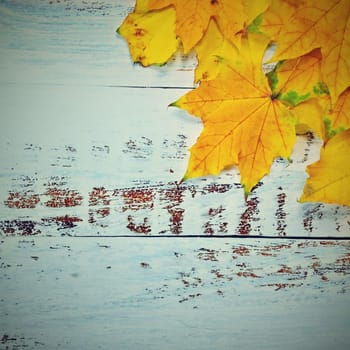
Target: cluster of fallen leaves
(250,116)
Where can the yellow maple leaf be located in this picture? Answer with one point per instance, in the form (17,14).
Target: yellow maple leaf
(248,119)
(298,84)
(244,123)
(321,24)
(298,79)
(277,15)
(339,117)
(212,51)
(141,6)
(309,118)
(215,50)
(329,178)
(150,35)
(253,8)
(192,17)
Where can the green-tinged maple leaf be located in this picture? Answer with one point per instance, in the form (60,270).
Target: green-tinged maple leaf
(244,123)
(315,24)
(297,82)
(296,79)
(151,35)
(329,178)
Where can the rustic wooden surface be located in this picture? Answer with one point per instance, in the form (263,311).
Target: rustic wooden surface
(100,247)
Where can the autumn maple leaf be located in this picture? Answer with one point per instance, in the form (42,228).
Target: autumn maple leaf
(329,178)
(309,118)
(244,123)
(323,24)
(212,51)
(151,35)
(338,119)
(192,20)
(250,118)
(277,16)
(297,82)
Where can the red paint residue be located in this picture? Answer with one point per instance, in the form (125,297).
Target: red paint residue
(215,211)
(173,195)
(63,198)
(242,251)
(143,227)
(136,199)
(246,274)
(281,214)
(176,218)
(245,227)
(345,260)
(99,195)
(208,254)
(211,226)
(22,200)
(285,269)
(217,188)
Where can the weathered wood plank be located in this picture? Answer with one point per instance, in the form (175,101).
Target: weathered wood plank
(81,156)
(74,42)
(84,152)
(122,180)
(156,293)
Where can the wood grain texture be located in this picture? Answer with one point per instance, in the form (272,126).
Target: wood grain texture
(90,147)
(90,154)
(156,293)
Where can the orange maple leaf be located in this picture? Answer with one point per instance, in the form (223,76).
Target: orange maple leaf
(329,178)
(315,24)
(244,123)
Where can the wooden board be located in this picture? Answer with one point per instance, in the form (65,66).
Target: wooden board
(100,246)
(156,293)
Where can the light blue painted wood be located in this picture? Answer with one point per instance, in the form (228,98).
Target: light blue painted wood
(67,129)
(83,157)
(156,293)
